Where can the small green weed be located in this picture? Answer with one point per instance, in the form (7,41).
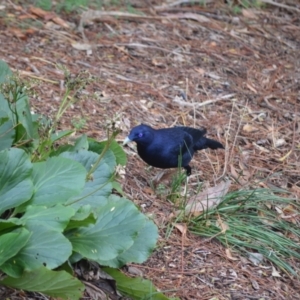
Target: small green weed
(78,123)
(245,4)
(44,4)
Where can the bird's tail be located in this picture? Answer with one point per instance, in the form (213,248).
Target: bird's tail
(204,143)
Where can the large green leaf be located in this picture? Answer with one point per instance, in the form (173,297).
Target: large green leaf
(10,224)
(98,188)
(114,232)
(83,217)
(25,117)
(56,180)
(11,243)
(60,134)
(117,150)
(141,249)
(4,71)
(57,284)
(56,217)
(15,179)
(7,133)
(45,247)
(81,143)
(135,288)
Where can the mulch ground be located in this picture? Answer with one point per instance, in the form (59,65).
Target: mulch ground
(233,71)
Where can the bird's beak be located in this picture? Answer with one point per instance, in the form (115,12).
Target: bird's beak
(126,141)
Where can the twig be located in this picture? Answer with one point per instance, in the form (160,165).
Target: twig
(197,105)
(148,46)
(281,5)
(29,74)
(178,3)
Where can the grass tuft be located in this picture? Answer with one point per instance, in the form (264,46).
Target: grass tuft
(252,223)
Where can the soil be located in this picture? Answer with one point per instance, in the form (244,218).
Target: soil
(232,70)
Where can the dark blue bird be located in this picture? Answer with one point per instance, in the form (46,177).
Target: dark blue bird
(163,148)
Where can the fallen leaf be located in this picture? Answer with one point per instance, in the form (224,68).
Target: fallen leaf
(41,13)
(255,258)
(27,16)
(208,198)
(249,128)
(182,228)
(251,88)
(283,158)
(190,16)
(59,21)
(279,143)
(275,273)
(222,225)
(81,46)
(249,13)
(260,148)
(255,285)
(229,255)
(18,33)
(135,271)
(148,191)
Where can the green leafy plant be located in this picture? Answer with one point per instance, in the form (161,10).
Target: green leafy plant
(56,202)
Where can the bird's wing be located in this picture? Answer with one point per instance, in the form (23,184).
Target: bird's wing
(173,140)
(188,140)
(195,133)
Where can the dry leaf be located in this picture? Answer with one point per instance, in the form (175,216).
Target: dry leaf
(182,228)
(148,190)
(279,143)
(190,16)
(229,255)
(283,158)
(249,13)
(134,271)
(42,13)
(251,88)
(249,128)
(275,273)
(222,225)
(49,16)
(81,46)
(260,148)
(27,16)
(255,285)
(208,198)
(18,33)
(59,21)
(255,258)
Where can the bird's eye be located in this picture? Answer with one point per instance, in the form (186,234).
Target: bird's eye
(140,134)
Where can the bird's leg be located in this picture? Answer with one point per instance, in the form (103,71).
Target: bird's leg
(188,170)
(185,186)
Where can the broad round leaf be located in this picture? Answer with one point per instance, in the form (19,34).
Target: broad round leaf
(98,188)
(15,180)
(117,150)
(139,252)
(7,133)
(56,180)
(4,71)
(57,284)
(45,247)
(114,232)
(11,243)
(56,217)
(135,288)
